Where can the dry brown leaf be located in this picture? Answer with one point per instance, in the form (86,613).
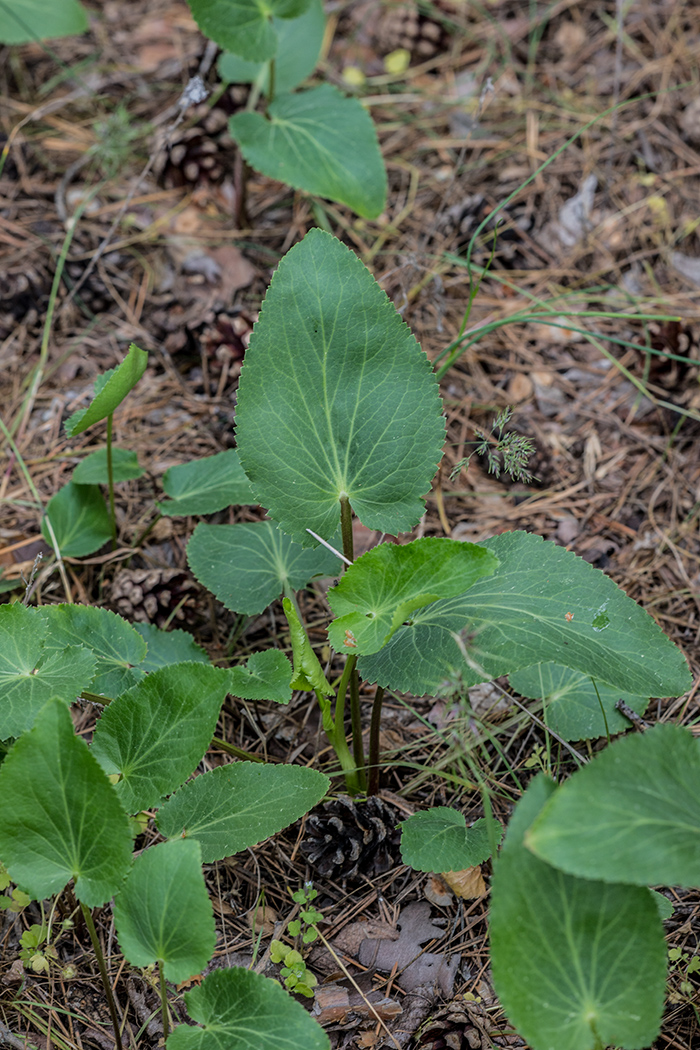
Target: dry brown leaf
(468,883)
(263,919)
(437,891)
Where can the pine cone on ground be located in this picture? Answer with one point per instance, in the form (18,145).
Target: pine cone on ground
(346,838)
(203,152)
(153,595)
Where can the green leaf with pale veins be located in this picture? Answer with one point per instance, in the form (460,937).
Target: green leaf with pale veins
(204,486)
(164,914)
(239,805)
(242,1010)
(576,706)
(318,141)
(25,21)
(60,817)
(266,676)
(577,965)
(32,670)
(336,398)
(630,815)
(168,647)
(79,519)
(299,42)
(155,735)
(244,26)
(247,566)
(439,840)
(116,645)
(383,587)
(110,390)
(542,604)
(93,469)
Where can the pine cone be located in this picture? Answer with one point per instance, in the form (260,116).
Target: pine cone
(204,152)
(153,595)
(347,837)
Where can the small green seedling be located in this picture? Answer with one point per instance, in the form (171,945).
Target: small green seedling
(79,520)
(316,140)
(294,972)
(684,965)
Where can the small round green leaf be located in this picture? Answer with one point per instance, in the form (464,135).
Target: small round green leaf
(163,913)
(318,141)
(630,815)
(60,817)
(439,840)
(80,520)
(242,1010)
(236,806)
(299,43)
(93,469)
(336,398)
(204,486)
(110,390)
(168,647)
(576,706)
(244,26)
(577,965)
(24,21)
(154,735)
(247,566)
(266,676)
(383,587)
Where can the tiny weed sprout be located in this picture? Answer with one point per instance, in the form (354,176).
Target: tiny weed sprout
(339,416)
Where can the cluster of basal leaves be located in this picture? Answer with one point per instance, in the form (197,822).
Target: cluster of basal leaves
(316,140)
(338,403)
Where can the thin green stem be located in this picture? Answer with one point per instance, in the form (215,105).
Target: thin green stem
(356,722)
(110,481)
(270,81)
(163,1000)
(87,915)
(354,771)
(375,724)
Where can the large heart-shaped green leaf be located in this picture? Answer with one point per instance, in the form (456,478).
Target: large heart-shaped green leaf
(318,141)
(110,390)
(245,26)
(542,604)
(154,735)
(79,519)
(204,486)
(32,670)
(236,806)
(24,21)
(576,706)
(164,914)
(577,965)
(242,1010)
(631,815)
(60,817)
(385,585)
(336,399)
(299,43)
(438,840)
(247,566)
(117,647)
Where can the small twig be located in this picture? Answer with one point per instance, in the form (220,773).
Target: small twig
(329,546)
